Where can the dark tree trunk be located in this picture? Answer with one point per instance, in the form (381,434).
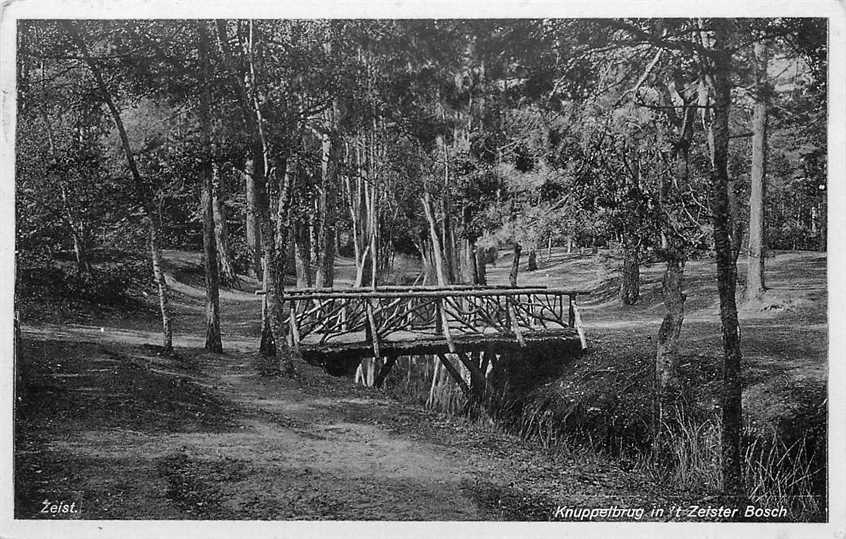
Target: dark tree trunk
(469,267)
(666,358)
(481,261)
(672,246)
(630,285)
(732,418)
(240,74)
(755,284)
(228,273)
(515,265)
(312,228)
(448,245)
(302,255)
(253,233)
(80,252)
(212,281)
(532,263)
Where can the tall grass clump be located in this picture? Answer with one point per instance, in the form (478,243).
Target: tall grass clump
(686,454)
(411,381)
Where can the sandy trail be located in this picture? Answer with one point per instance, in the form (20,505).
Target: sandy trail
(312,447)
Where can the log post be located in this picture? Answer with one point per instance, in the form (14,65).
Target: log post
(445,325)
(479,385)
(453,372)
(374,334)
(571,316)
(384,371)
(577,318)
(512,318)
(295,331)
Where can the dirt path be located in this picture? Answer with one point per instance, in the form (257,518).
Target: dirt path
(128,434)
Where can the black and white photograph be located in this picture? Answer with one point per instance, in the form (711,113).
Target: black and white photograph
(563,269)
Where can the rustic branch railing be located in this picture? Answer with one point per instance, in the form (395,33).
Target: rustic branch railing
(320,316)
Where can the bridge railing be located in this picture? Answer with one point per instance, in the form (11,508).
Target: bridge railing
(329,315)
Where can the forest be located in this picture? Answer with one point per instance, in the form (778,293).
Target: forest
(184,177)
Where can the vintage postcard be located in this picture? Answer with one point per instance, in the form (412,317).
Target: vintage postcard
(412,270)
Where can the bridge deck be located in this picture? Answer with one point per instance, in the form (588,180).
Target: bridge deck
(336,327)
(355,346)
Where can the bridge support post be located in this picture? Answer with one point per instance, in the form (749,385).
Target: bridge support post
(453,372)
(294,338)
(571,316)
(479,386)
(384,371)
(515,324)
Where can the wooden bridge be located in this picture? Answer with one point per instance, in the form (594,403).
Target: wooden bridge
(332,326)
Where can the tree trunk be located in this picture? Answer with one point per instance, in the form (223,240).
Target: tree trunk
(228,273)
(275,252)
(447,235)
(254,167)
(468,249)
(666,359)
(469,272)
(212,280)
(143,192)
(268,345)
(630,285)
(532,263)
(302,254)
(515,265)
(253,234)
(213,341)
(75,225)
(755,285)
(154,227)
(373,208)
(80,252)
(313,227)
(325,275)
(440,273)
(481,262)
(732,419)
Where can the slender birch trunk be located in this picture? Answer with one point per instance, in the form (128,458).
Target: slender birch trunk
(154,228)
(212,280)
(143,192)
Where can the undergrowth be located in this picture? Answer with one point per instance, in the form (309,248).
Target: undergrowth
(776,473)
(681,455)
(45,288)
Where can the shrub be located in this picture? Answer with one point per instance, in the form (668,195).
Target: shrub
(48,287)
